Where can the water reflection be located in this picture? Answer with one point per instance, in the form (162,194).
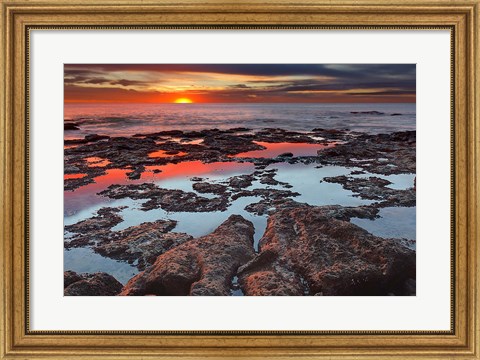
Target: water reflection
(275,149)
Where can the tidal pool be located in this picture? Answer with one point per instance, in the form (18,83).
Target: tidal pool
(306,179)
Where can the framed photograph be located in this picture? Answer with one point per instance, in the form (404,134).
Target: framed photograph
(222,179)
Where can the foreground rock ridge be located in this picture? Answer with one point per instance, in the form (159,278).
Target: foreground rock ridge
(202,266)
(310,250)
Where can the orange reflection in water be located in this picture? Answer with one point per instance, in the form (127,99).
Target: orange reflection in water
(163,154)
(87,195)
(97,161)
(71,146)
(275,149)
(193,168)
(73,176)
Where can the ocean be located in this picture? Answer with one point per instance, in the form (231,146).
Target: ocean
(130,119)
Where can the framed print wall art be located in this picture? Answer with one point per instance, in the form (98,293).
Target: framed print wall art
(224,179)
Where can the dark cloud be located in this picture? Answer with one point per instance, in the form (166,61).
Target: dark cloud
(335,70)
(268,80)
(125,82)
(240,86)
(101,80)
(387,92)
(96,81)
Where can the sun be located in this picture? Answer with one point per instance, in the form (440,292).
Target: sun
(183,101)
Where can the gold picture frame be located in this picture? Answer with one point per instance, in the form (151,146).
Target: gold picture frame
(462,341)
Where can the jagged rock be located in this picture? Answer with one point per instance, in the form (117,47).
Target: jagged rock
(216,146)
(96,137)
(97,284)
(374,188)
(69,277)
(314,250)
(167,199)
(386,154)
(142,243)
(70,126)
(207,188)
(241,181)
(105,219)
(136,173)
(266,194)
(202,266)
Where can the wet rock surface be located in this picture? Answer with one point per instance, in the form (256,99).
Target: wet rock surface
(381,154)
(267,177)
(374,188)
(202,266)
(69,277)
(316,251)
(241,181)
(139,245)
(230,190)
(216,145)
(207,188)
(97,284)
(70,126)
(105,219)
(167,199)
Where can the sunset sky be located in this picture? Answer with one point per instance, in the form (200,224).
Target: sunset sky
(239,83)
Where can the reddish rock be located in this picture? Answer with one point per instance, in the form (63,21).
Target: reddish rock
(97,284)
(69,277)
(312,250)
(202,266)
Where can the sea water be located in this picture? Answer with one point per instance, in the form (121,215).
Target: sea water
(130,119)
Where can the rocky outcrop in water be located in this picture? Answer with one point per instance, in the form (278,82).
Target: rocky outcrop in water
(167,199)
(105,219)
(202,266)
(213,145)
(381,154)
(207,188)
(70,126)
(140,244)
(310,250)
(97,284)
(375,188)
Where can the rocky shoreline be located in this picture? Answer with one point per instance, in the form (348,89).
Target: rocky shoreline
(305,249)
